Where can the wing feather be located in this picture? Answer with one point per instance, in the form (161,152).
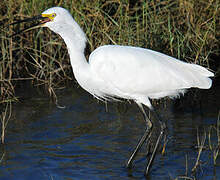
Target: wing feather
(138,71)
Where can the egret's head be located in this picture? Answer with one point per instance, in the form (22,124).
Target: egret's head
(61,22)
(54,18)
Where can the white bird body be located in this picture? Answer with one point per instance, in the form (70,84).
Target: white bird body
(128,72)
(139,74)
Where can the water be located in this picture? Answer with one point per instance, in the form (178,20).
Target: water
(86,141)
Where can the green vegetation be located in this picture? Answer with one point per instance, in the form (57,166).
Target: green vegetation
(185,29)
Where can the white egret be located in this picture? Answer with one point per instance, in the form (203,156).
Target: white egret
(126,72)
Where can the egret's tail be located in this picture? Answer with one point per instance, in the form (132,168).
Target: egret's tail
(201,76)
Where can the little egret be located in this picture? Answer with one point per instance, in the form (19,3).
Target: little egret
(126,72)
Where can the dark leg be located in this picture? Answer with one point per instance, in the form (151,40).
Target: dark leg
(163,126)
(144,138)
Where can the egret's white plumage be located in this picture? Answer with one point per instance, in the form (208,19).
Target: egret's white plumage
(124,71)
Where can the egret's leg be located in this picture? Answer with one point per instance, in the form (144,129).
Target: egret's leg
(155,148)
(163,127)
(144,138)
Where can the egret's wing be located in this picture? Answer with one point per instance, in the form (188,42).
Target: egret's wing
(134,70)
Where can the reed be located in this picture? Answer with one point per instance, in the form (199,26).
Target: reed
(215,146)
(209,142)
(5,117)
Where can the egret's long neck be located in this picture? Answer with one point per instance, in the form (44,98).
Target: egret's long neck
(75,40)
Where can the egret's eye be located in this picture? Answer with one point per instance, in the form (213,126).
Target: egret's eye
(53,15)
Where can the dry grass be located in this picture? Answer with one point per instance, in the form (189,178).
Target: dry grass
(5,117)
(212,145)
(215,147)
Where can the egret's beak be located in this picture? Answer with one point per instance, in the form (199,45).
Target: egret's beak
(41,20)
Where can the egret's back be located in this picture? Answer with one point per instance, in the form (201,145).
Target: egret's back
(132,71)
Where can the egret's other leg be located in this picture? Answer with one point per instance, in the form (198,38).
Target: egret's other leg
(144,138)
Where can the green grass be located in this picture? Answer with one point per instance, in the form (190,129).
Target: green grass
(185,29)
